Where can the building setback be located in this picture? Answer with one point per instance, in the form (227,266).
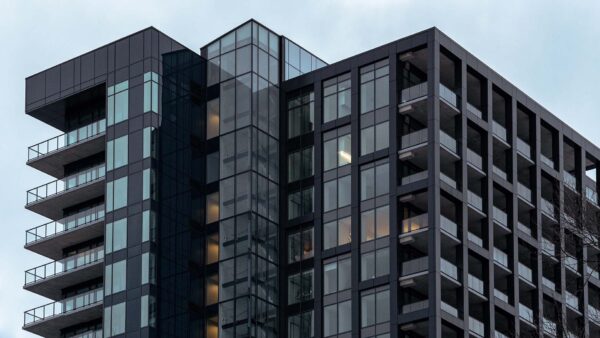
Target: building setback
(254,190)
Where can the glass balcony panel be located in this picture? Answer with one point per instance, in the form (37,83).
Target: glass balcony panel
(501,295)
(500,216)
(414,266)
(448,180)
(548,246)
(524,191)
(547,161)
(591,195)
(70,222)
(475,200)
(524,228)
(498,334)
(475,159)
(548,283)
(501,173)
(448,95)
(476,284)
(63,306)
(475,239)
(448,141)
(414,138)
(571,262)
(414,92)
(64,265)
(523,148)
(547,207)
(415,177)
(415,223)
(67,139)
(525,272)
(474,110)
(476,327)
(89,334)
(499,131)
(593,313)
(549,326)
(448,226)
(67,183)
(449,269)
(572,300)
(570,180)
(526,313)
(449,308)
(592,272)
(500,257)
(416,306)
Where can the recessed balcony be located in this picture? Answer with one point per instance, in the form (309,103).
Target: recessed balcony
(413,140)
(50,199)
(51,238)
(50,279)
(499,131)
(476,285)
(52,155)
(476,327)
(414,93)
(48,320)
(524,149)
(448,96)
(526,314)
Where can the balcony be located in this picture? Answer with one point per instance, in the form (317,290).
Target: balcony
(414,139)
(500,257)
(415,223)
(548,247)
(499,131)
(89,334)
(415,266)
(572,301)
(473,110)
(548,208)
(549,327)
(501,173)
(416,306)
(525,273)
(498,334)
(50,279)
(525,313)
(476,327)
(570,181)
(523,148)
(547,161)
(50,199)
(500,217)
(474,159)
(448,226)
(448,95)
(448,142)
(594,314)
(48,320)
(449,309)
(449,269)
(448,180)
(475,200)
(571,263)
(419,176)
(501,295)
(592,272)
(51,238)
(524,228)
(548,283)
(52,155)
(414,92)
(591,195)
(475,239)
(476,285)
(524,192)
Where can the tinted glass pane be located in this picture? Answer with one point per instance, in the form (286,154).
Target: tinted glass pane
(344,150)
(367,97)
(344,191)
(330,108)
(330,195)
(367,310)
(367,140)
(330,154)
(345,316)
(227,106)
(330,235)
(382,136)
(382,92)
(243,60)
(344,231)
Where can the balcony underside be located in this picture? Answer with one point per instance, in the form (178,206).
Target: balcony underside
(50,327)
(52,207)
(51,287)
(53,163)
(52,246)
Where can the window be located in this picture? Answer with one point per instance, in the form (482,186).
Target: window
(336,98)
(212,289)
(336,274)
(114,320)
(374,138)
(212,207)
(375,263)
(374,180)
(212,167)
(116,153)
(300,164)
(301,110)
(336,193)
(374,86)
(116,194)
(300,287)
(148,311)
(148,186)
(300,203)
(148,226)
(375,223)
(115,277)
(149,141)
(300,245)
(375,306)
(227,107)
(150,92)
(117,103)
(338,232)
(301,325)
(212,118)
(337,151)
(148,268)
(337,318)
(116,235)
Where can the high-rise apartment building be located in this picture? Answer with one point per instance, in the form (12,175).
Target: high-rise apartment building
(252,190)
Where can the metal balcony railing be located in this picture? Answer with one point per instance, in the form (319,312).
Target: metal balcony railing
(500,257)
(414,92)
(53,228)
(64,265)
(476,284)
(65,184)
(525,313)
(476,327)
(523,148)
(499,130)
(415,223)
(414,138)
(448,95)
(448,226)
(474,159)
(474,110)
(415,266)
(448,141)
(63,307)
(67,139)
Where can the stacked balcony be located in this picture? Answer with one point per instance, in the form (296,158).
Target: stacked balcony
(73,237)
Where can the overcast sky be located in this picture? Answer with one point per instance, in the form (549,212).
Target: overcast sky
(549,49)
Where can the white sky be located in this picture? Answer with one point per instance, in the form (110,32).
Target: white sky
(549,49)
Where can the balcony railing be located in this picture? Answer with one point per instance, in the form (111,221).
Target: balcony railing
(571,263)
(448,308)
(415,223)
(448,180)
(591,195)
(572,300)
(525,313)
(549,326)
(501,295)
(65,140)
(415,266)
(500,257)
(523,148)
(524,191)
(448,141)
(64,265)
(526,229)
(448,95)
(500,216)
(475,239)
(525,272)
(416,306)
(592,272)
(475,200)
(593,314)
(448,226)
(548,208)
(548,246)
(422,175)
(89,334)
(476,327)
(474,110)
(68,223)
(476,284)
(498,334)
(449,269)
(414,138)
(501,173)
(570,180)
(63,306)
(548,283)
(65,184)
(499,131)
(547,161)
(474,159)
(414,92)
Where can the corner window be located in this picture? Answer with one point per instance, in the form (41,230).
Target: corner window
(151,92)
